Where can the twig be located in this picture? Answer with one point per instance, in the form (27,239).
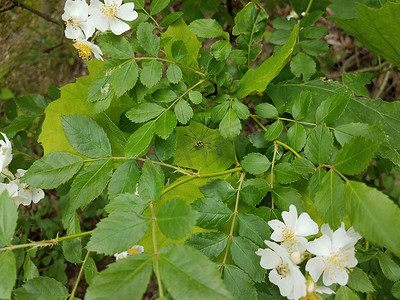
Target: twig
(383,84)
(10,7)
(36,12)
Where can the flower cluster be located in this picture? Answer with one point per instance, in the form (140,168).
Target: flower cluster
(21,193)
(334,255)
(137,249)
(82,20)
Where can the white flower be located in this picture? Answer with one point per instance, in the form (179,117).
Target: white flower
(285,274)
(107,15)
(11,188)
(137,249)
(75,16)
(292,233)
(86,48)
(335,254)
(5,154)
(25,194)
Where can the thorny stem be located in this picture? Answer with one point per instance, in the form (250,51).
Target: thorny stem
(46,243)
(235,212)
(153,233)
(72,295)
(272,173)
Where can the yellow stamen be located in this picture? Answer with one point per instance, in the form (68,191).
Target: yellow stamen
(133,251)
(83,50)
(109,10)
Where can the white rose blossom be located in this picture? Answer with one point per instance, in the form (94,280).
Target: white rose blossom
(75,16)
(25,193)
(291,234)
(285,274)
(137,249)
(108,15)
(11,188)
(86,49)
(5,155)
(335,254)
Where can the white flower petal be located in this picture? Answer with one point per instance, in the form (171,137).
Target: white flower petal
(126,12)
(99,21)
(324,290)
(326,230)
(37,195)
(315,266)
(301,244)
(88,29)
(269,259)
(281,251)
(299,284)
(290,217)
(72,33)
(306,226)
(118,27)
(95,7)
(321,246)
(335,275)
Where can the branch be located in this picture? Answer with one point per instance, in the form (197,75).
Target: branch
(36,12)
(10,7)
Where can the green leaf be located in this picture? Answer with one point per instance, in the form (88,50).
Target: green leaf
(125,77)
(301,105)
(244,255)
(124,179)
(174,73)
(196,97)
(302,64)
(212,213)
(118,232)
(255,163)
(373,215)
(346,132)
(125,279)
(166,124)
(171,18)
(285,173)
(151,182)
(390,269)
(140,140)
(90,270)
(254,228)
(206,28)
(359,281)
(274,131)
(210,243)
(144,112)
(86,136)
(157,6)
(90,182)
(253,191)
(221,50)
(296,136)
(165,149)
(368,26)
(218,189)
(267,111)
(176,219)
(8,218)
(30,269)
(240,109)
(151,73)
(319,145)
(230,125)
(126,203)
(331,109)
(179,269)
(164,96)
(147,40)
(17,125)
(258,79)
(42,288)
(178,50)
(344,293)
(72,249)
(52,170)
(302,166)
(356,82)
(8,273)
(355,155)
(239,283)
(115,46)
(329,200)
(183,111)
(314,47)
(286,195)
(32,104)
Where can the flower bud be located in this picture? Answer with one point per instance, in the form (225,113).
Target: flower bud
(296,257)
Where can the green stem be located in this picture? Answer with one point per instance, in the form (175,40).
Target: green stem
(23,153)
(288,148)
(336,171)
(235,212)
(176,184)
(272,173)
(254,117)
(153,233)
(154,20)
(72,295)
(46,243)
(308,7)
(295,121)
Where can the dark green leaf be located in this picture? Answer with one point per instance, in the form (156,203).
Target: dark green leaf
(254,228)
(126,203)
(151,73)
(169,19)
(8,273)
(221,50)
(396,290)
(124,179)
(42,288)
(303,64)
(230,125)
(178,50)
(164,95)
(274,131)
(206,28)
(302,166)
(157,6)
(255,163)
(331,109)
(90,270)
(86,136)
(267,111)
(17,125)
(176,219)
(151,182)
(210,243)
(212,213)
(239,283)
(389,267)
(166,124)
(183,111)
(285,173)
(301,105)
(356,82)
(165,149)
(118,232)
(140,140)
(144,112)
(319,145)
(8,218)
(125,77)
(359,281)
(196,97)
(218,189)
(314,47)
(174,73)
(147,40)
(115,46)
(286,195)
(32,104)
(296,136)
(240,109)
(52,170)
(344,293)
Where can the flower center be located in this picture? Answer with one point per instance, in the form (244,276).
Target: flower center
(83,50)
(109,9)
(289,238)
(337,262)
(26,187)
(282,270)
(72,23)
(133,251)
